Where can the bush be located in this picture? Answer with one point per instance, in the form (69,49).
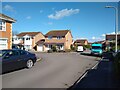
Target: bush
(117,65)
(49,51)
(87,46)
(113,47)
(72,47)
(67,50)
(54,48)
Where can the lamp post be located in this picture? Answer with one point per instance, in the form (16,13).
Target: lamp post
(116,24)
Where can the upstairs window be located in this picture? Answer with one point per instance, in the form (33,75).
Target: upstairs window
(2,25)
(27,38)
(59,37)
(49,37)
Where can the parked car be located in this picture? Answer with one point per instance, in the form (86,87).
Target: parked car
(15,59)
(80,49)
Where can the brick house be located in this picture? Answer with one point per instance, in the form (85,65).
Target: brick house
(62,39)
(81,42)
(110,39)
(6,31)
(28,39)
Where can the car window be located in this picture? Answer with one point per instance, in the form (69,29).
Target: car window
(23,52)
(15,53)
(10,53)
(2,53)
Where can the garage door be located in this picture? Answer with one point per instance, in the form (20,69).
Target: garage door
(3,44)
(40,48)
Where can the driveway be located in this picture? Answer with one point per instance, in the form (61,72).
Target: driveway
(55,70)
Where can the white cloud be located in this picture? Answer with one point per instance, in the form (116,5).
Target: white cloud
(112,33)
(8,8)
(50,23)
(97,38)
(63,13)
(81,38)
(93,38)
(28,17)
(103,35)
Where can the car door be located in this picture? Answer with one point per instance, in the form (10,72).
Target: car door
(10,61)
(23,58)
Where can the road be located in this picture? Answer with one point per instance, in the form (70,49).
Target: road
(55,70)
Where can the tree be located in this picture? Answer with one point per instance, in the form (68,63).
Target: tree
(14,32)
(72,47)
(54,48)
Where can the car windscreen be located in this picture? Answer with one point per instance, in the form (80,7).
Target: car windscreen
(96,47)
(2,53)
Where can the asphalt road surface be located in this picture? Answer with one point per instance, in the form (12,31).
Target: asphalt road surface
(55,70)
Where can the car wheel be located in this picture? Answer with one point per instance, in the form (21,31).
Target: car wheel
(29,64)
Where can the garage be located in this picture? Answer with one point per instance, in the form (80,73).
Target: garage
(3,44)
(40,48)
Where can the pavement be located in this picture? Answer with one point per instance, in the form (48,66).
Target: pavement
(101,76)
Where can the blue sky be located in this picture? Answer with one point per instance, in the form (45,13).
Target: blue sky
(85,19)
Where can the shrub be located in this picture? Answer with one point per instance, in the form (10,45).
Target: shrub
(54,48)
(72,47)
(67,50)
(117,65)
(49,51)
(87,46)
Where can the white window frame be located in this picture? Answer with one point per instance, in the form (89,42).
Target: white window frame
(59,37)
(3,25)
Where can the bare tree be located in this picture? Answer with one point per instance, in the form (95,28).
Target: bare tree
(14,32)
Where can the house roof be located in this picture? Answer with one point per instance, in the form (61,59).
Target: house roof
(112,36)
(103,41)
(7,18)
(41,41)
(57,33)
(54,43)
(28,33)
(80,40)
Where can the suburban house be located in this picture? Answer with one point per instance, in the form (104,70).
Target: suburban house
(81,42)
(110,39)
(6,31)
(101,42)
(28,39)
(61,39)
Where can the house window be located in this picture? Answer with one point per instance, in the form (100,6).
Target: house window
(49,37)
(59,37)
(23,39)
(27,38)
(16,39)
(2,25)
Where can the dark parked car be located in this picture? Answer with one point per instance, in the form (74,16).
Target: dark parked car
(15,59)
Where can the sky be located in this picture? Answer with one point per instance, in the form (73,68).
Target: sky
(86,20)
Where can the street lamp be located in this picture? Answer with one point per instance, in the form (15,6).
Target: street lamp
(116,26)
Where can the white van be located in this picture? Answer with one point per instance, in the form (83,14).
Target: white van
(80,49)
